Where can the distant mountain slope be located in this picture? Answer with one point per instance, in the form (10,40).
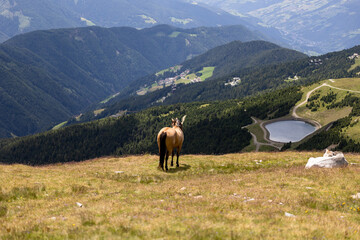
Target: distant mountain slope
(226,60)
(253,79)
(313,25)
(47,76)
(20,16)
(236,55)
(229,58)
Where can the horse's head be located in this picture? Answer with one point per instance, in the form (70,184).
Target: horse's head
(177,123)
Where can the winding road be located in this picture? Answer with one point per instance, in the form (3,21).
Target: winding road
(317,124)
(305,101)
(259,144)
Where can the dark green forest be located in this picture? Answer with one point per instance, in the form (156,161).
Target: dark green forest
(210,128)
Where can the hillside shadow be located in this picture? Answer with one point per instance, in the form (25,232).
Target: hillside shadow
(183,167)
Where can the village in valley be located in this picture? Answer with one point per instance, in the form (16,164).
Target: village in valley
(185,77)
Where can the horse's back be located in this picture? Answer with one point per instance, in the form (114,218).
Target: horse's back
(174,137)
(163,130)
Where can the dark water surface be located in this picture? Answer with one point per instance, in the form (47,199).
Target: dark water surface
(289,130)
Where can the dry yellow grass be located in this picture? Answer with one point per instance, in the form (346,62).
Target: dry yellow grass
(235,196)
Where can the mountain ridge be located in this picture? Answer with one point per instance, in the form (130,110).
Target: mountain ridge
(19,16)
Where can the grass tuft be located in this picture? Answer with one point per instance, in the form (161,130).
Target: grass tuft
(79,189)
(22,193)
(3,211)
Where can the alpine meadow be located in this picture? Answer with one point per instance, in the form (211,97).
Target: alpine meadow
(178,119)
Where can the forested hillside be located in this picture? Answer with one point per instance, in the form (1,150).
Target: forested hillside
(253,79)
(226,59)
(48,76)
(210,127)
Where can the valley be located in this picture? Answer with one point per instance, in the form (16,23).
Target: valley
(315,27)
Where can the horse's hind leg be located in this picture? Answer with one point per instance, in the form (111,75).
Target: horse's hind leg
(166,161)
(177,157)
(161,164)
(172,158)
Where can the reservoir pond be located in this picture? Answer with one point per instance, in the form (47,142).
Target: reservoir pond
(289,130)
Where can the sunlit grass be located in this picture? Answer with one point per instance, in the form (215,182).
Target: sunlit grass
(207,72)
(240,196)
(60,125)
(174,34)
(355,65)
(324,115)
(346,83)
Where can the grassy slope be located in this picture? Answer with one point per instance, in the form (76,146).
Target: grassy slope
(207,72)
(325,116)
(356,64)
(209,197)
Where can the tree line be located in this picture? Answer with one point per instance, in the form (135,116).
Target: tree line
(210,128)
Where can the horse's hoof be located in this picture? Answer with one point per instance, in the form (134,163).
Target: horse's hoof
(177,165)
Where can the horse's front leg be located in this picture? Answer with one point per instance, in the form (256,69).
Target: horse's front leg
(166,161)
(172,158)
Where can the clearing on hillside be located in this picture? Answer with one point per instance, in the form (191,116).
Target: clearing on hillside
(321,103)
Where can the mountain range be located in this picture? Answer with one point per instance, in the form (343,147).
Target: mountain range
(20,16)
(48,76)
(315,27)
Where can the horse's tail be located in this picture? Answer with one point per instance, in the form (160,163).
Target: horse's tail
(162,148)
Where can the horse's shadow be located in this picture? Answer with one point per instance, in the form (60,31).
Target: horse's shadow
(183,167)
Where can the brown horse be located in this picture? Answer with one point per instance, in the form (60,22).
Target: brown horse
(168,139)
